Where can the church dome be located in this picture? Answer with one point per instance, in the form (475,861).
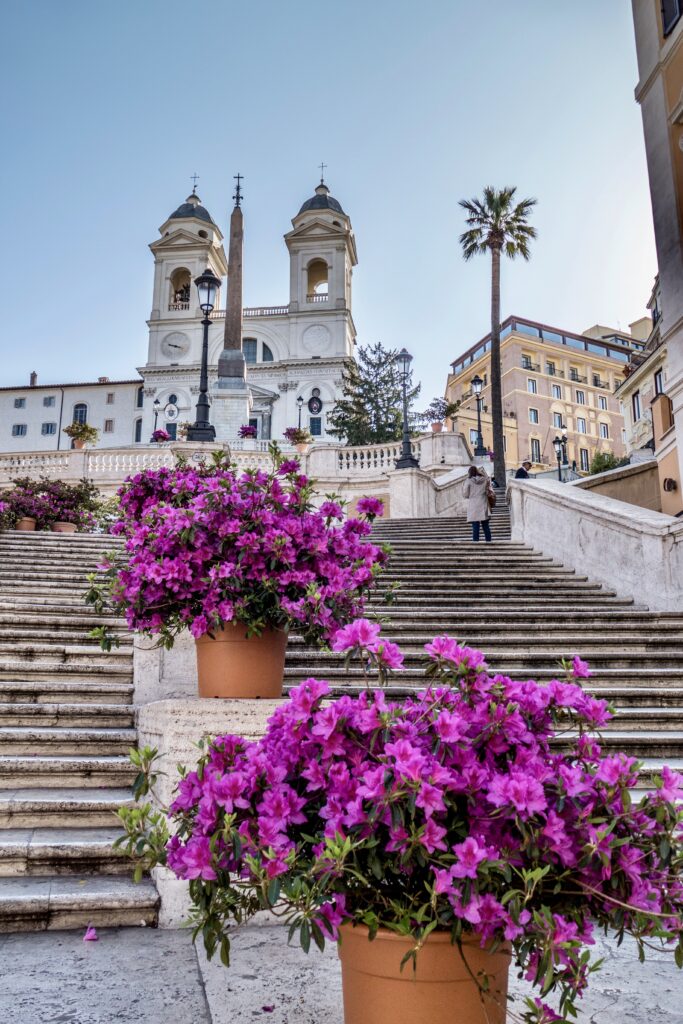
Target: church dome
(322,200)
(192,207)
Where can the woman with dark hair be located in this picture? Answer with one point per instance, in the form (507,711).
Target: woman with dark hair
(476,491)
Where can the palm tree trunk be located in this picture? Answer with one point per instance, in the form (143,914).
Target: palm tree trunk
(496,386)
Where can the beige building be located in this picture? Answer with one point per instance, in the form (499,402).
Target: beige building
(553,382)
(653,394)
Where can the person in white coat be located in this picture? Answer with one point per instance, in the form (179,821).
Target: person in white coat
(476,492)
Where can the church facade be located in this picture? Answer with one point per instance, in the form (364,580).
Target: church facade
(294,353)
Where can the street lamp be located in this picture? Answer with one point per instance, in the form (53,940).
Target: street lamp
(477,385)
(156,406)
(407,460)
(559,448)
(202,430)
(564,439)
(300,405)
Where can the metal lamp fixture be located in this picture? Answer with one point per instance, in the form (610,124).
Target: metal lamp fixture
(300,405)
(207,287)
(407,459)
(156,406)
(477,385)
(558,446)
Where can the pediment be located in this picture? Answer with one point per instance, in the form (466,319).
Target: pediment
(180,238)
(316,228)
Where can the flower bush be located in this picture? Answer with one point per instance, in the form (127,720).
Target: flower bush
(50,501)
(82,432)
(161,435)
(208,545)
(454,810)
(297,435)
(247,431)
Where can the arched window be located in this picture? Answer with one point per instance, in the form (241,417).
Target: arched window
(317,278)
(138,431)
(250,348)
(267,354)
(172,400)
(179,293)
(80,413)
(140,397)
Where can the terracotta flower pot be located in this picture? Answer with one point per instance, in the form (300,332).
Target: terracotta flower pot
(302,448)
(63,527)
(25,524)
(79,444)
(233,666)
(440,991)
(437,427)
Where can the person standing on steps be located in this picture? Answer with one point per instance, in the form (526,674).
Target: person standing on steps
(476,491)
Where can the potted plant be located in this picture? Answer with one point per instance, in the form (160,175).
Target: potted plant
(183,429)
(438,838)
(438,411)
(247,433)
(82,434)
(160,435)
(299,437)
(238,558)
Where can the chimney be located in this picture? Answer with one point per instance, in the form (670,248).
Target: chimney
(103,380)
(33,379)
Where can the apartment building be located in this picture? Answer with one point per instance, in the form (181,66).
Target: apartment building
(554,382)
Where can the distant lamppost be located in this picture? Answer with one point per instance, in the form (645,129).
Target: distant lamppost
(202,430)
(477,385)
(560,446)
(156,406)
(300,405)
(407,460)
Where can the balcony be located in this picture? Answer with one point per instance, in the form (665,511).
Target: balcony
(553,372)
(176,307)
(248,311)
(597,383)
(528,365)
(576,378)
(315,297)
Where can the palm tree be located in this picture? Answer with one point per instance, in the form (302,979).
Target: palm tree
(497,225)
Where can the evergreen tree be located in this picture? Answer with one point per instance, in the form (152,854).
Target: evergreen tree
(370,410)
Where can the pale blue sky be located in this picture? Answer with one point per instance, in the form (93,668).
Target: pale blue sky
(109,108)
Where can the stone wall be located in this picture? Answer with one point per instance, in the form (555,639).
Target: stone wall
(637,484)
(634,551)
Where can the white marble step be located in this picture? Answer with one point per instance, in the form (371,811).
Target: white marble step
(61,808)
(43,903)
(61,851)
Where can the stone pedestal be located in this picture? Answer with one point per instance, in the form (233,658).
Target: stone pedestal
(230,407)
(175,727)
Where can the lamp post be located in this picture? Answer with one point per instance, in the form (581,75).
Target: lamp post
(202,430)
(477,385)
(156,406)
(564,439)
(300,405)
(558,446)
(407,459)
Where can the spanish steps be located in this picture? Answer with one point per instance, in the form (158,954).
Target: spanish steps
(67,718)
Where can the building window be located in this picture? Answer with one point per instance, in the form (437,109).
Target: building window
(533,415)
(110,397)
(531,386)
(557,391)
(108,426)
(49,401)
(315,425)
(249,349)
(137,436)
(19,403)
(602,402)
(635,405)
(19,430)
(172,430)
(557,420)
(581,425)
(535,450)
(580,398)
(253,422)
(80,413)
(583,456)
(604,431)
(659,383)
(267,354)
(550,369)
(48,428)
(139,397)
(474,436)
(671,13)
(172,400)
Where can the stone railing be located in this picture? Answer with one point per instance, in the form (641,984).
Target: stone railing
(219,314)
(371,458)
(635,551)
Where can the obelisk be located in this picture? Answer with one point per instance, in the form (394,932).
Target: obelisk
(231,398)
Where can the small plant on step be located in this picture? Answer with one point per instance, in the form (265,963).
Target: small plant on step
(145,825)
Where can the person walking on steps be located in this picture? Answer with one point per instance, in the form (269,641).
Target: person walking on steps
(476,490)
(523,471)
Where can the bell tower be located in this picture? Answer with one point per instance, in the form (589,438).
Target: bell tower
(322,255)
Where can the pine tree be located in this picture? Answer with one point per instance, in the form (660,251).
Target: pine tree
(370,410)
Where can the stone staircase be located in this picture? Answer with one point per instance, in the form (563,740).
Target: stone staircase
(525,611)
(66,725)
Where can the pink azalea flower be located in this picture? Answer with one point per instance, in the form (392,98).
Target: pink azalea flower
(470,855)
(91,934)
(580,668)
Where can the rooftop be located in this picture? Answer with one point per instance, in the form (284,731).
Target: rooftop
(322,200)
(192,207)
